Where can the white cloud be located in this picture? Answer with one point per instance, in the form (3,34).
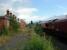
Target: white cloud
(3,8)
(23,1)
(65,13)
(21,12)
(27,14)
(33,18)
(9,4)
(26,11)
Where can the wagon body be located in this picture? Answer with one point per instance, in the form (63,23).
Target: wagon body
(59,25)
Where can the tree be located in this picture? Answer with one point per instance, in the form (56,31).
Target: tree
(38,29)
(14,23)
(31,22)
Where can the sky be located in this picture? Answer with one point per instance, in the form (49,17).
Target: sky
(35,10)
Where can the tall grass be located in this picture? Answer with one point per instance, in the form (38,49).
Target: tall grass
(4,31)
(38,43)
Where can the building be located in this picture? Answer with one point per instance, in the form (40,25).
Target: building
(4,21)
(22,24)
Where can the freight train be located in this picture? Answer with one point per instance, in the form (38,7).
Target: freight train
(56,27)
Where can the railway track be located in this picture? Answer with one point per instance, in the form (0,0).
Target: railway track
(59,40)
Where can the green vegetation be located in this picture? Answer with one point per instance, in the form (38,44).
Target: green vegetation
(4,31)
(36,40)
(14,23)
(13,26)
(38,29)
(38,43)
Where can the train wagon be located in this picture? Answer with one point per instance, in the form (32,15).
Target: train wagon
(57,27)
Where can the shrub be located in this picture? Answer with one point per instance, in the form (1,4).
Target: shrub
(38,43)
(14,23)
(4,31)
(38,29)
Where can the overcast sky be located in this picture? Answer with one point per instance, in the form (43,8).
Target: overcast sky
(36,10)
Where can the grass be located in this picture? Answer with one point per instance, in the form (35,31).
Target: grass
(6,38)
(36,42)
(3,40)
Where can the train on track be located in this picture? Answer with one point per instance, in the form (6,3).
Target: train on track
(57,27)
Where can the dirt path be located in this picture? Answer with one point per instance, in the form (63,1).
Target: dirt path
(14,40)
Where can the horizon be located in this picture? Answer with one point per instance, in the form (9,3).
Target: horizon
(35,10)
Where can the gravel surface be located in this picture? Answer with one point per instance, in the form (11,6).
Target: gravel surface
(14,40)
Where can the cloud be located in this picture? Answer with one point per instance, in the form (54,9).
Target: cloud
(38,18)
(65,13)
(26,11)
(12,5)
(21,12)
(19,9)
(16,3)
(33,18)
(27,14)
(3,8)
(25,1)
(29,17)
(12,1)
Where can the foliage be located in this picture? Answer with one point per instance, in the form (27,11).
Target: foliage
(4,31)
(38,29)
(34,41)
(14,23)
(31,22)
(38,43)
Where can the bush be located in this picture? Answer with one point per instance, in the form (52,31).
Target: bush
(38,29)
(4,31)
(38,43)
(14,23)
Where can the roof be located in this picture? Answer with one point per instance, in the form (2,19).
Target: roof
(3,17)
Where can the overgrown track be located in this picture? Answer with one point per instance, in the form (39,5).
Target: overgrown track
(58,38)
(57,34)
